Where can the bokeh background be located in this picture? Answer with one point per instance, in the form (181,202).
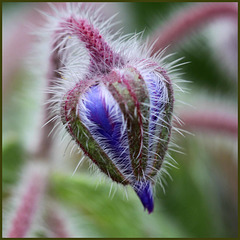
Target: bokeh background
(201,200)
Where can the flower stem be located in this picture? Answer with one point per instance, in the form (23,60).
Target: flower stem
(213,121)
(33,190)
(190,19)
(45,141)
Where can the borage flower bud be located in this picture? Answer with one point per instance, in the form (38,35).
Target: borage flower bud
(122,121)
(112,97)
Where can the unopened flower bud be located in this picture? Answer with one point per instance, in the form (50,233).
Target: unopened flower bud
(114,99)
(122,121)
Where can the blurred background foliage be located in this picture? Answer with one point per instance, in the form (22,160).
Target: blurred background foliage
(200,201)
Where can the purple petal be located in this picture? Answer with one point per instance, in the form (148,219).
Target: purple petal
(144,192)
(105,122)
(158,95)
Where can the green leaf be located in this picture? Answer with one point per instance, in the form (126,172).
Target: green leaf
(108,217)
(12,160)
(192,198)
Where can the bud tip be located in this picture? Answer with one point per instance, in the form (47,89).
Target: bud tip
(144,192)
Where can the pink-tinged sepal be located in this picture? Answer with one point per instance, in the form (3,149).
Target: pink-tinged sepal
(130,91)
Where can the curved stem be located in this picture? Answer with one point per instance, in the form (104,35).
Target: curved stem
(101,58)
(210,121)
(190,19)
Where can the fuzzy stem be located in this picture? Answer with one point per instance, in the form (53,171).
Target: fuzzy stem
(17,45)
(190,19)
(45,141)
(213,121)
(102,57)
(29,201)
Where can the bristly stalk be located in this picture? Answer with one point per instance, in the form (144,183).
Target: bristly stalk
(28,198)
(214,121)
